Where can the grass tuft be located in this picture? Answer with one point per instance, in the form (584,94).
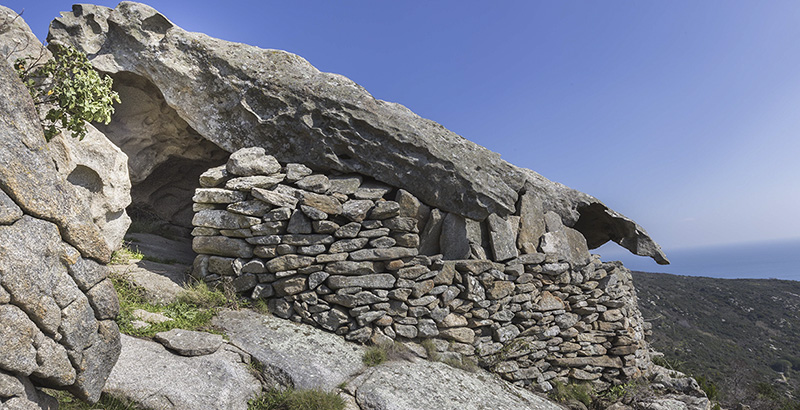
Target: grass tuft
(564,393)
(125,255)
(430,349)
(378,354)
(465,363)
(374,356)
(192,311)
(66,401)
(199,294)
(260,306)
(291,399)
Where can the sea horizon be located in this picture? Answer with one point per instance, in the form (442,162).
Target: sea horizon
(776,259)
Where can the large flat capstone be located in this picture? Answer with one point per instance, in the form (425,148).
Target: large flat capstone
(280,102)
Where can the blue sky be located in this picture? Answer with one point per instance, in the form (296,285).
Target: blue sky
(683,115)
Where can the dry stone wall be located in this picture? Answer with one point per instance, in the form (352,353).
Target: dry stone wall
(520,295)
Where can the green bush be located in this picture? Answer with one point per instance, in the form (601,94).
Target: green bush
(70,89)
(708,386)
(374,356)
(291,399)
(766,390)
(781,365)
(572,392)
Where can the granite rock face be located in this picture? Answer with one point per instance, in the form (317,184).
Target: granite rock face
(244,96)
(16,38)
(39,190)
(94,166)
(99,172)
(55,299)
(148,374)
(397,386)
(292,354)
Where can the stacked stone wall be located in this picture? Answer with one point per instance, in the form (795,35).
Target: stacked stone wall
(519,294)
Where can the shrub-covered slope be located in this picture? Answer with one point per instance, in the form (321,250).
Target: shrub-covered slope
(738,333)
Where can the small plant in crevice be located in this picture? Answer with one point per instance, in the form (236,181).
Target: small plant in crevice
(430,350)
(259,305)
(462,362)
(449,358)
(374,356)
(125,255)
(564,393)
(384,352)
(69,89)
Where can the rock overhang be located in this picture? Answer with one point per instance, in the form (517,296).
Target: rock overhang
(235,96)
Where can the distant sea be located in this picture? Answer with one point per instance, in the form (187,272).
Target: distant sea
(760,260)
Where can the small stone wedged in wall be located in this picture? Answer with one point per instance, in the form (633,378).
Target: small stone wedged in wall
(520,295)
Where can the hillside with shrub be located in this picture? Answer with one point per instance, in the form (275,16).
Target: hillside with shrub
(741,337)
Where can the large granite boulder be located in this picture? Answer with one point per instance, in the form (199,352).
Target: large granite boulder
(57,305)
(99,172)
(154,378)
(17,40)
(94,166)
(431,385)
(293,355)
(243,96)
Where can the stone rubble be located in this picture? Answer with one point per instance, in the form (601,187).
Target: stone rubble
(533,309)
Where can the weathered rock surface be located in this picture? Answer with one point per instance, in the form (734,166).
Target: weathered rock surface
(99,172)
(189,342)
(147,373)
(592,218)
(173,249)
(292,354)
(21,394)
(29,176)
(54,297)
(339,126)
(162,283)
(431,385)
(16,38)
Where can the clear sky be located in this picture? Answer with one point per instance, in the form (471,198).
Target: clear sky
(683,115)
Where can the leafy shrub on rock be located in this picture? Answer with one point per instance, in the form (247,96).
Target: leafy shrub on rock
(70,89)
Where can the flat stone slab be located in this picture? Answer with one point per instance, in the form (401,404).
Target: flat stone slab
(162,283)
(178,250)
(148,374)
(428,385)
(189,342)
(292,354)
